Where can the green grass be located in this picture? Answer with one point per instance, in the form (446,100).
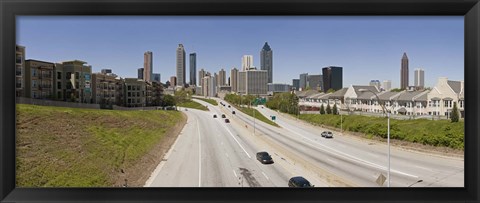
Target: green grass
(70,147)
(193,105)
(258,115)
(211,101)
(435,133)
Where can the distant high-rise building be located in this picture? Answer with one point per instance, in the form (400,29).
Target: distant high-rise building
(222,77)
(234,79)
(404,72)
(303,81)
(315,82)
(193,69)
(266,61)
(105,71)
(253,82)
(419,78)
(201,75)
(173,81)
(296,84)
(180,65)
(140,73)
(387,85)
(217,81)
(375,83)
(332,78)
(210,86)
(247,62)
(148,66)
(156,77)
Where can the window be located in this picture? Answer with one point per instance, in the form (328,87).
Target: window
(68,76)
(59,85)
(129,87)
(77,75)
(59,75)
(129,94)
(59,95)
(34,72)
(34,83)
(77,85)
(461,104)
(34,94)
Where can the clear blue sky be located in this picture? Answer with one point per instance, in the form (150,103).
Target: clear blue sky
(366,47)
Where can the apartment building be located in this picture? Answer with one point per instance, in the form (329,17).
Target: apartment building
(73,81)
(39,79)
(134,92)
(104,88)
(19,71)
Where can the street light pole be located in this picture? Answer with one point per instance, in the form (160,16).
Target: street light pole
(388,130)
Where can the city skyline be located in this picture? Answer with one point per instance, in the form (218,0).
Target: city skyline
(360,45)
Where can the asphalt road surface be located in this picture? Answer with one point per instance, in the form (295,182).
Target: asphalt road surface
(212,153)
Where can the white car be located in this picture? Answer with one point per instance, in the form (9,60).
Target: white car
(327,134)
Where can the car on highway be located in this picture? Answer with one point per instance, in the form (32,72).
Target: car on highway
(327,134)
(214,115)
(227,121)
(223,116)
(233,112)
(299,181)
(264,158)
(228,106)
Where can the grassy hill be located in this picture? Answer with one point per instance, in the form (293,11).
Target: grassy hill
(72,147)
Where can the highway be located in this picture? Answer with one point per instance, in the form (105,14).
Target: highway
(212,153)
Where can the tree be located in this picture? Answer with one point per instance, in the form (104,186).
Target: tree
(322,109)
(330,90)
(335,111)
(169,100)
(329,110)
(454,116)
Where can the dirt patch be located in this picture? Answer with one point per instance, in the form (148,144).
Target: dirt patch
(139,173)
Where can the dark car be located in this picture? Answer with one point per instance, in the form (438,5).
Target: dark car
(299,181)
(228,106)
(223,116)
(264,158)
(214,115)
(233,112)
(327,134)
(227,121)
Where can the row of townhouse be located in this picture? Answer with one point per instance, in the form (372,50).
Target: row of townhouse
(73,81)
(438,101)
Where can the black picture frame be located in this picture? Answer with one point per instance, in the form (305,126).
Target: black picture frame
(9,9)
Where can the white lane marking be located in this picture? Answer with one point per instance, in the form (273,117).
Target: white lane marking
(199,158)
(265,175)
(235,174)
(349,156)
(231,134)
(428,169)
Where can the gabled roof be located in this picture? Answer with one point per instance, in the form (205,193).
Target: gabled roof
(339,93)
(366,95)
(408,95)
(455,85)
(305,93)
(358,87)
(422,97)
(387,96)
(314,96)
(325,96)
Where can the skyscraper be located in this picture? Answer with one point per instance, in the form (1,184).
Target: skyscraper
(156,77)
(303,81)
(296,84)
(140,73)
(419,78)
(247,62)
(222,77)
(404,72)
(148,66)
(315,82)
(234,79)
(266,61)
(180,65)
(332,78)
(387,85)
(201,75)
(193,69)
(375,83)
